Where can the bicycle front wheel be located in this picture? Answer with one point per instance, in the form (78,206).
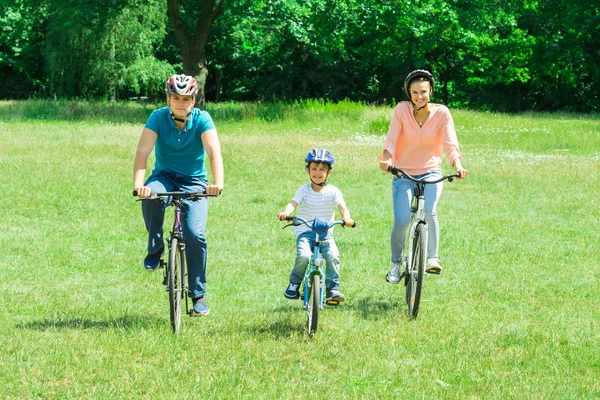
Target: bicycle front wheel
(314,302)
(175,283)
(416,270)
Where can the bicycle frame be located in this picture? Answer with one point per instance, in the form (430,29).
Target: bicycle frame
(176,200)
(317,262)
(416,238)
(417,216)
(314,269)
(417,212)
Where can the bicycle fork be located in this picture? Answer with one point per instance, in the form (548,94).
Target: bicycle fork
(418,211)
(315,268)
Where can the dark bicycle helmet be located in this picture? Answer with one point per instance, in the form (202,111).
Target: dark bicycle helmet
(416,74)
(319,155)
(181,84)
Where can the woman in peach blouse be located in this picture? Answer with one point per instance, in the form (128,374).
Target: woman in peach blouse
(418,131)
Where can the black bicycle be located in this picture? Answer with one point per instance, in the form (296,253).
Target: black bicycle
(415,248)
(175,273)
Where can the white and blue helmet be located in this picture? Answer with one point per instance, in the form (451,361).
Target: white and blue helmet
(319,155)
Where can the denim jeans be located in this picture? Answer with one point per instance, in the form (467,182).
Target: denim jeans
(402,195)
(329,252)
(193,222)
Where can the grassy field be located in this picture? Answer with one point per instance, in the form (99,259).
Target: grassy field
(515,314)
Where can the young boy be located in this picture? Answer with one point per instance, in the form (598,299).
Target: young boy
(317,199)
(181,137)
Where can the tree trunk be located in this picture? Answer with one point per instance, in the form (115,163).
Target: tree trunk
(191,46)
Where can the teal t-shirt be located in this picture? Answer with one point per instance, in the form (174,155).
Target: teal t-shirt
(180,151)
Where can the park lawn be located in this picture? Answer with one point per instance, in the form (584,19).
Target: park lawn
(515,313)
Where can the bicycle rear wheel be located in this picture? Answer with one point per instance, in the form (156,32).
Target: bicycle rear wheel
(314,302)
(175,283)
(416,270)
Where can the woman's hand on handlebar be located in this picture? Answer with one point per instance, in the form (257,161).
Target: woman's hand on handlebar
(385,165)
(462,173)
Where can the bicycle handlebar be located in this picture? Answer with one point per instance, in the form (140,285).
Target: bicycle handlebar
(299,220)
(154,196)
(400,173)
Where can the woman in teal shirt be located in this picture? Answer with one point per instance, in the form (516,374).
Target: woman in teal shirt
(181,137)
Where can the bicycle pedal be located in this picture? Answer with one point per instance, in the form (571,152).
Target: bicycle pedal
(334,303)
(162,264)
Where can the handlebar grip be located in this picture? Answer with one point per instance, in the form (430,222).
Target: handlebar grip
(289,218)
(135,192)
(354,225)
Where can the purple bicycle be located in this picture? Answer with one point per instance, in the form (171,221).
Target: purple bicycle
(175,273)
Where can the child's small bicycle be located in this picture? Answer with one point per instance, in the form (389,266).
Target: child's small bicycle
(175,273)
(415,249)
(313,283)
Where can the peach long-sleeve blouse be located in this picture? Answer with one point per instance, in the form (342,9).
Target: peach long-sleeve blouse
(418,149)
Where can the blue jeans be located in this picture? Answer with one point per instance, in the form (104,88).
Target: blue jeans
(329,252)
(193,222)
(402,194)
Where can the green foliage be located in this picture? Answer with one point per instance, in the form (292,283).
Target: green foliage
(21,48)
(486,54)
(106,44)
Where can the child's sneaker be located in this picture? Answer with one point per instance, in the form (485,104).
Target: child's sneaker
(393,276)
(334,297)
(433,266)
(292,291)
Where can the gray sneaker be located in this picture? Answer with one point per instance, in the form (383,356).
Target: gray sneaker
(433,266)
(200,308)
(393,276)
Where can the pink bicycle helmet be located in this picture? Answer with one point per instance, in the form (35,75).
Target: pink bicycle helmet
(183,85)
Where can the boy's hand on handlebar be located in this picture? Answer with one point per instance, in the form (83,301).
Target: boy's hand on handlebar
(348,222)
(214,190)
(282,216)
(143,192)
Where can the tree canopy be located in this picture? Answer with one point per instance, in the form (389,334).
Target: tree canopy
(485,54)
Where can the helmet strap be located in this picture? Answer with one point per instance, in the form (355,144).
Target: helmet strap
(324,183)
(419,109)
(179,119)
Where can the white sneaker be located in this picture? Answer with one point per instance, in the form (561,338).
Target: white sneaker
(393,276)
(433,266)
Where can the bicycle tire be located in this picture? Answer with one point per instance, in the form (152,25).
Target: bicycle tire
(313,305)
(175,284)
(414,278)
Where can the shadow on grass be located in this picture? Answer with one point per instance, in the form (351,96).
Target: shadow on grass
(281,322)
(127,321)
(375,308)
(278,328)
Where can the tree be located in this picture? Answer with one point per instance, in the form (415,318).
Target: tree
(101,49)
(192,43)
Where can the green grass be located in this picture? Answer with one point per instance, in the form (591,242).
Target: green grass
(515,313)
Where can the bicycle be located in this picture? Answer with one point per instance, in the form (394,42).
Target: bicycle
(314,279)
(175,273)
(415,248)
